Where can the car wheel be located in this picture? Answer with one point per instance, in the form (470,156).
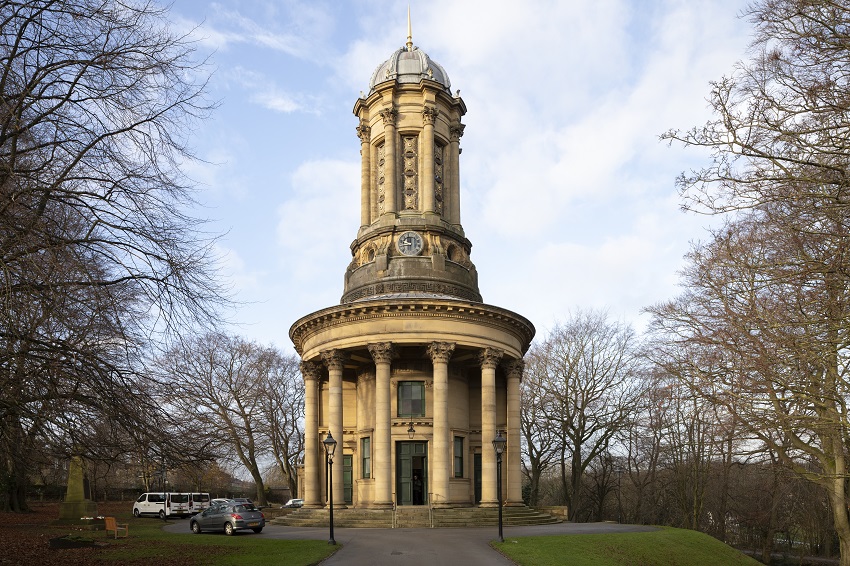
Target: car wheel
(136,513)
(228,529)
(257,530)
(162,514)
(196,528)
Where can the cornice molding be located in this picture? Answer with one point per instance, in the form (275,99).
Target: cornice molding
(446,309)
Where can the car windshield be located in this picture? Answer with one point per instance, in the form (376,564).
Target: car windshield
(244,507)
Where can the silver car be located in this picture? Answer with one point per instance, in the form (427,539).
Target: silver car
(228,517)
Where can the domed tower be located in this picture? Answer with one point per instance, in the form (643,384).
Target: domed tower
(410,239)
(412,373)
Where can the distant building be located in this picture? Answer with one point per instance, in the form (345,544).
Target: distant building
(412,373)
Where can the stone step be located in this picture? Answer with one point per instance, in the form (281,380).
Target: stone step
(417,517)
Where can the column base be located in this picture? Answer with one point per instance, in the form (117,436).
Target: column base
(493,503)
(380,505)
(514,504)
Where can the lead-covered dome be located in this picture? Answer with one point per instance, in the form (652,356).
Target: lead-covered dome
(410,65)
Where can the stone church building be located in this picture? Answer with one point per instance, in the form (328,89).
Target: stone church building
(411,373)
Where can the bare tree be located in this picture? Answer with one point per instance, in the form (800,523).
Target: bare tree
(282,410)
(539,442)
(771,338)
(770,293)
(98,255)
(225,377)
(591,383)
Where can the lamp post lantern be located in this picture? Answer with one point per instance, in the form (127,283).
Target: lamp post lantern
(411,432)
(330,446)
(499,446)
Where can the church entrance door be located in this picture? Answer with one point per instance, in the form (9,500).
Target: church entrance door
(411,473)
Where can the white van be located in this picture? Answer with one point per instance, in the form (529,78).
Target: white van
(198,502)
(162,505)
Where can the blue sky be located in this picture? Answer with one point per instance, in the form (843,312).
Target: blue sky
(567,195)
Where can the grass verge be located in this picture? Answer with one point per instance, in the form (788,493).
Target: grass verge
(148,541)
(665,547)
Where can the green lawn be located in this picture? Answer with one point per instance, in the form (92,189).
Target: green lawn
(147,542)
(665,547)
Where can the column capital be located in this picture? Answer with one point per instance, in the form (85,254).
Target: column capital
(514,368)
(389,115)
(334,359)
(429,115)
(456,131)
(440,351)
(363,131)
(382,352)
(311,371)
(489,358)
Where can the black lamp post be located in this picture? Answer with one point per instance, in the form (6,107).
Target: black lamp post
(330,447)
(499,446)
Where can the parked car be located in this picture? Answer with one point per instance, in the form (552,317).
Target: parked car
(220,501)
(295,503)
(229,517)
(241,500)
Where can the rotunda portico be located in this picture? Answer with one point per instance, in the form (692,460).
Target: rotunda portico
(411,373)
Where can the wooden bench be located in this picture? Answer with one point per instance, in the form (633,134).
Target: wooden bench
(112,525)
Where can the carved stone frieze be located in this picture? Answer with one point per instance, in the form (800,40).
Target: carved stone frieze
(410,156)
(438,178)
(411,287)
(381,174)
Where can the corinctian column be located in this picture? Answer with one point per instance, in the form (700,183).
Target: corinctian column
(365,177)
(382,353)
(455,133)
(312,373)
(514,481)
(335,359)
(489,359)
(389,116)
(429,116)
(440,353)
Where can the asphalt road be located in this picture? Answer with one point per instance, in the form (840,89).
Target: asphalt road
(420,547)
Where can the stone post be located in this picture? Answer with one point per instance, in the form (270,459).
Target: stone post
(429,116)
(391,169)
(382,353)
(489,358)
(76,505)
(311,372)
(365,174)
(514,370)
(440,456)
(453,189)
(335,359)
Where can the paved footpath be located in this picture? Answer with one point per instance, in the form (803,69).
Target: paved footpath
(421,547)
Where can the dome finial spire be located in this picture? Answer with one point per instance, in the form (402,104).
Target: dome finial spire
(409,31)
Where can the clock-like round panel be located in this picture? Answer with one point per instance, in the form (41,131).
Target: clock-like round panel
(410,243)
